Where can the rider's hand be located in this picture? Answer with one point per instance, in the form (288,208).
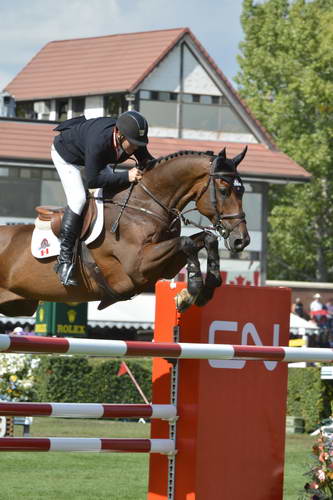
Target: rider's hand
(134,175)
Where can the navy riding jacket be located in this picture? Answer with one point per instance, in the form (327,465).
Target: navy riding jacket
(89,143)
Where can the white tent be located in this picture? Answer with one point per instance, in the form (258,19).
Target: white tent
(137,312)
(298,322)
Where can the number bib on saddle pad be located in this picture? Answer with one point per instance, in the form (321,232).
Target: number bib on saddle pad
(45,243)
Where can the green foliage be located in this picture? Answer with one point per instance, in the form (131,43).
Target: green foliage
(309,397)
(61,378)
(76,379)
(286,79)
(17,376)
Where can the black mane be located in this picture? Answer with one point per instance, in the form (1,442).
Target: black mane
(152,163)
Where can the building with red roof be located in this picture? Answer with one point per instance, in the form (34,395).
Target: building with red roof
(170,78)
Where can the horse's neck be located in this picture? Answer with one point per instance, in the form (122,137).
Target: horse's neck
(177,181)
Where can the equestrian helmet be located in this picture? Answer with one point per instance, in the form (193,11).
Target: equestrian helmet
(134,127)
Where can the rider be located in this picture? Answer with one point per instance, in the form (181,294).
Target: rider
(93,143)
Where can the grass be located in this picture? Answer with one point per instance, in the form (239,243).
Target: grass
(298,461)
(76,476)
(112,476)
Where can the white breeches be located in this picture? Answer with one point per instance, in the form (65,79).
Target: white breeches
(72,182)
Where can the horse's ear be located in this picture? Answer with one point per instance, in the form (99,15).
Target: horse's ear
(223,154)
(236,161)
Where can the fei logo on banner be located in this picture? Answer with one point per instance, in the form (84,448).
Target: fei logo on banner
(248,330)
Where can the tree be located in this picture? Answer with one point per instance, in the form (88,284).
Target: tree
(286,78)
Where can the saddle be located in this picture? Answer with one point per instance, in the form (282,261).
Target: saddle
(54,216)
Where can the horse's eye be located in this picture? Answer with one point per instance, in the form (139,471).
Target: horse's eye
(224,191)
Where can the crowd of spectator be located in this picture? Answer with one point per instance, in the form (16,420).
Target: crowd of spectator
(18,330)
(320,314)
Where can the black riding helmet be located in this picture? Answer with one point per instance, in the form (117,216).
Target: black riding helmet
(134,127)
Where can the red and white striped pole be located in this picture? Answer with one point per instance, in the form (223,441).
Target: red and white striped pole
(119,348)
(164,446)
(89,410)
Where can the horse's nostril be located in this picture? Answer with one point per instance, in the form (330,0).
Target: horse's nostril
(238,244)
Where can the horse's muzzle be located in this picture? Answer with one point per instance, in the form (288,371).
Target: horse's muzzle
(237,241)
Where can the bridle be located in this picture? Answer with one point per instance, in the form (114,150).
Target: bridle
(174,215)
(228,178)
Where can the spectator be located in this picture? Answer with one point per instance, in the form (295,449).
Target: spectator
(18,331)
(298,308)
(329,307)
(316,304)
(318,311)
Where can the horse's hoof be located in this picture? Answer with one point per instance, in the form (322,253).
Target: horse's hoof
(184,300)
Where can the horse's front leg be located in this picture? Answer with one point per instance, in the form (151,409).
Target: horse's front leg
(166,259)
(191,248)
(213,276)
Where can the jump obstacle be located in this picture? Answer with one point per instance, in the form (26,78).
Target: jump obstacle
(230,398)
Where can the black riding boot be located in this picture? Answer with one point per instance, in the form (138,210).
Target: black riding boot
(71,226)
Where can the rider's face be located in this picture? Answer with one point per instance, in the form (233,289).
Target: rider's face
(126,145)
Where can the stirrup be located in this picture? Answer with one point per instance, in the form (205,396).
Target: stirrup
(65,275)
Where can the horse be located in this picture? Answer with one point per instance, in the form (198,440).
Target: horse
(141,240)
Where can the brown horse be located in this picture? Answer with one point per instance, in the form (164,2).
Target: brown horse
(146,245)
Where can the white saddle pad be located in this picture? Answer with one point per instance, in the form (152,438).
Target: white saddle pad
(45,244)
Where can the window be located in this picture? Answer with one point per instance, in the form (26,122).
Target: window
(26,110)
(62,109)
(164,96)
(154,95)
(144,94)
(187,98)
(42,109)
(206,99)
(78,105)
(25,173)
(4,171)
(114,105)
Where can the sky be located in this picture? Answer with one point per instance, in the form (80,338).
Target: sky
(26,26)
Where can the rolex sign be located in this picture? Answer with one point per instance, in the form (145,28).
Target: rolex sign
(62,319)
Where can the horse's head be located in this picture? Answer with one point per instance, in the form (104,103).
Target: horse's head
(221,201)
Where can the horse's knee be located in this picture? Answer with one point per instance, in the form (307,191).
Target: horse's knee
(211,242)
(188,246)
(194,276)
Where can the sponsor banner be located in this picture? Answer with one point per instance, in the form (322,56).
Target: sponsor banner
(62,319)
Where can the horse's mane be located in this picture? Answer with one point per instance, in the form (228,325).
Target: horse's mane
(157,161)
